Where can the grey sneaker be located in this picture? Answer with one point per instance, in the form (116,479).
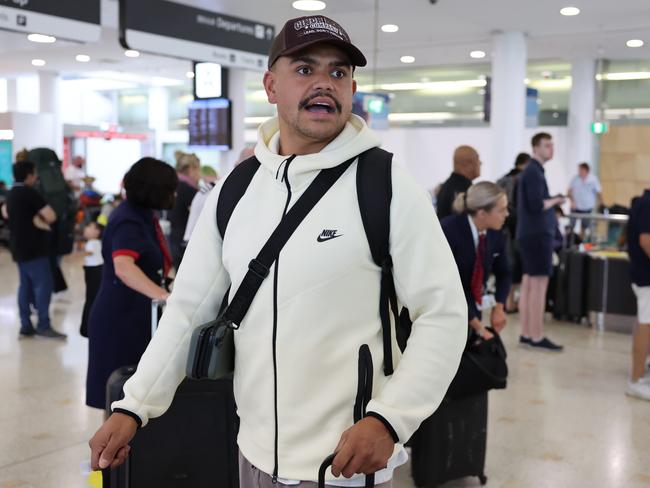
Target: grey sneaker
(50,333)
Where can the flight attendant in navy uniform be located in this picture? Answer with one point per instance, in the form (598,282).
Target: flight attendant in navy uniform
(136,261)
(479,247)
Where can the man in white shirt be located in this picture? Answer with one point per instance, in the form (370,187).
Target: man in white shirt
(584,192)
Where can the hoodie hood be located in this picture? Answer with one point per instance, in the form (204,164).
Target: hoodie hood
(355,138)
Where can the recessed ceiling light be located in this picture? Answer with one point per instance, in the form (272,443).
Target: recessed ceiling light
(190,74)
(477,54)
(389,28)
(570,11)
(407,59)
(41,38)
(131,53)
(82,58)
(309,5)
(38,62)
(635,43)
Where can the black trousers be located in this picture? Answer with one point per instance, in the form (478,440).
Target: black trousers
(93,278)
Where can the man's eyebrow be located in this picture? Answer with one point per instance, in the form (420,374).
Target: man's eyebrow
(309,60)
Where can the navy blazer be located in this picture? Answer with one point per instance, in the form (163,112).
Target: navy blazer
(532,190)
(459,235)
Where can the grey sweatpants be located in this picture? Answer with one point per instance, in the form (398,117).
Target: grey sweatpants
(251,477)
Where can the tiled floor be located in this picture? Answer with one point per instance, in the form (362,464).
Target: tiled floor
(563,421)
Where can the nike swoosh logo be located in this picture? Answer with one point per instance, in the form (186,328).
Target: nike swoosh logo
(323,239)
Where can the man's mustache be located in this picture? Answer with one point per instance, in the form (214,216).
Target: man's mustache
(303,104)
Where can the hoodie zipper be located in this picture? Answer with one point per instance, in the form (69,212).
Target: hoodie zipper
(285,178)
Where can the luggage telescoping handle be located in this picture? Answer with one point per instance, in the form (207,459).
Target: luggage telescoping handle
(155,306)
(370,479)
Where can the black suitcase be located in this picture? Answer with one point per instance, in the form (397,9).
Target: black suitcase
(568,287)
(451,443)
(193,445)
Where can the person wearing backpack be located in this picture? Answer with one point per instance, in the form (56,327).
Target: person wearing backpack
(312,366)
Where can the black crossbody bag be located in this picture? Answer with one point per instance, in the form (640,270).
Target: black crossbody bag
(212,346)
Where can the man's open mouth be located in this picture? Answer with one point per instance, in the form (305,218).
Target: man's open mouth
(322,105)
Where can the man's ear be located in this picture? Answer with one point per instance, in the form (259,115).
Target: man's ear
(354,86)
(269,86)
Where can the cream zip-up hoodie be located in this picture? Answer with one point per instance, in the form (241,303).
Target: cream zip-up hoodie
(325,304)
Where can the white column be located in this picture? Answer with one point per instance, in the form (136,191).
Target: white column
(582,107)
(49,91)
(508,102)
(158,115)
(237,95)
(12,95)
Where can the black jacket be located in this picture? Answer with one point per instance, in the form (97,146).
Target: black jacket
(449,190)
(459,235)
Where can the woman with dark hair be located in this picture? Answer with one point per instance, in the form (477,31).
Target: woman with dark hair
(136,262)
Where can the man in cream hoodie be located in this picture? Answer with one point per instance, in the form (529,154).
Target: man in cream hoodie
(296,362)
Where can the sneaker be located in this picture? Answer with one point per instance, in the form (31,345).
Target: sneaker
(50,333)
(24,333)
(638,389)
(524,341)
(546,345)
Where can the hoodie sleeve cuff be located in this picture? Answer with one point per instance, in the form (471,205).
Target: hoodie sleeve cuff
(130,414)
(386,423)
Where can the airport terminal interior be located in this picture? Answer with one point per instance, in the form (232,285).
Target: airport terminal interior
(486,106)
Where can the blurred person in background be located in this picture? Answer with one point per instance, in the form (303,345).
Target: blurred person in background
(93,265)
(467,167)
(536,232)
(638,242)
(30,219)
(209,178)
(188,167)
(75,174)
(585,194)
(479,248)
(136,261)
(509,185)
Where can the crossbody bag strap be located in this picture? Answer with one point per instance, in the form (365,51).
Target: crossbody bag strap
(258,268)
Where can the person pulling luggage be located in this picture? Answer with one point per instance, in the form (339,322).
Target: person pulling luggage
(304,368)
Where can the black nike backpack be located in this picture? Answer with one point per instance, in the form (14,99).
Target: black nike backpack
(374,191)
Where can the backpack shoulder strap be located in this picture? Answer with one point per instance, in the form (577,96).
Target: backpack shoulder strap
(375,192)
(233,190)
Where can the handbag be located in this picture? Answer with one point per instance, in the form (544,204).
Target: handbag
(212,346)
(482,367)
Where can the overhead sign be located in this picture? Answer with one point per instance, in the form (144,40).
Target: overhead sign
(600,128)
(172,29)
(67,19)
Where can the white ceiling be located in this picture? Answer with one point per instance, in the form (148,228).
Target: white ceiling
(440,34)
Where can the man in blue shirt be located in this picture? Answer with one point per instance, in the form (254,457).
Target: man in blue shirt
(584,193)
(536,226)
(638,242)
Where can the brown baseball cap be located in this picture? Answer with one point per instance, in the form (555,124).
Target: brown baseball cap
(302,32)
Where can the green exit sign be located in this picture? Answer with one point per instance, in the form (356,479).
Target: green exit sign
(599,127)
